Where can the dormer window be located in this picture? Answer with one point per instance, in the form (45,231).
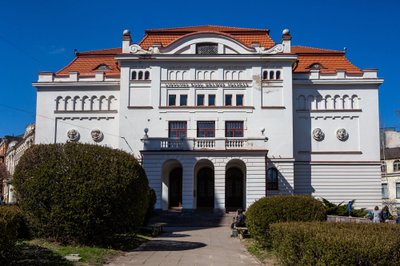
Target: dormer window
(207,48)
(316,66)
(102,67)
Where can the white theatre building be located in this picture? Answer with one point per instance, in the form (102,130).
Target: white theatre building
(222,116)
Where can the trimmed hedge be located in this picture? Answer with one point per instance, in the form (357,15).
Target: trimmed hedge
(10,222)
(81,193)
(318,243)
(268,210)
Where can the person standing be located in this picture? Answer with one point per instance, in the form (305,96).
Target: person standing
(376,215)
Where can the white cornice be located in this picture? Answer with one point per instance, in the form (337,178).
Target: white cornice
(190,57)
(337,81)
(88,84)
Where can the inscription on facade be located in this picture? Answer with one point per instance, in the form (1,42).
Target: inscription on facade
(207,85)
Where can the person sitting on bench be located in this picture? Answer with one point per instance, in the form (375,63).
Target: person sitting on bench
(239,220)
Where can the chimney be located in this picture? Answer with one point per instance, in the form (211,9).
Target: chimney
(126,41)
(286,41)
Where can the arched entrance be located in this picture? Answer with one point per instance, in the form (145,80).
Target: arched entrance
(175,188)
(205,188)
(235,186)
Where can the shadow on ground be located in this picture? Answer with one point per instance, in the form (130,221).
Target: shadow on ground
(125,242)
(36,255)
(169,245)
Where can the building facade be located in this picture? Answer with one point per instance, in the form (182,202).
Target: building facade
(15,149)
(390,159)
(222,116)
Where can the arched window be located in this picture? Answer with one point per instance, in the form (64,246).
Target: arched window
(265,74)
(271,75)
(272,179)
(278,75)
(147,75)
(133,75)
(396,166)
(140,76)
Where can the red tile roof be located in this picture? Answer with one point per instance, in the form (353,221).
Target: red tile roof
(86,62)
(246,36)
(330,60)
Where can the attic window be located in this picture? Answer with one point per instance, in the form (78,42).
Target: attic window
(207,48)
(316,66)
(103,67)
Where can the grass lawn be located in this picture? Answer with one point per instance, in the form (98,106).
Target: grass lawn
(44,252)
(267,257)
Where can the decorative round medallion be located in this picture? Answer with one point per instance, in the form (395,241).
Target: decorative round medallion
(97,135)
(73,135)
(342,134)
(318,134)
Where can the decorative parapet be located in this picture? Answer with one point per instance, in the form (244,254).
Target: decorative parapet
(201,144)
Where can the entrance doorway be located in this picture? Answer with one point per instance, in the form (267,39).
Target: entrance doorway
(205,188)
(234,189)
(175,188)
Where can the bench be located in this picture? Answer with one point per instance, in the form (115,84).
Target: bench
(242,231)
(156,228)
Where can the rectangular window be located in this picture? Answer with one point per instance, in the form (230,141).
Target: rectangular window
(207,48)
(385,191)
(183,100)
(398,190)
(200,100)
(234,129)
(172,100)
(177,129)
(211,100)
(239,100)
(228,100)
(205,129)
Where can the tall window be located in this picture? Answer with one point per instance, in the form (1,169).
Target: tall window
(385,194)
(228,100)
(177,129)
(239,100)
(205,129)
(211,100)
(207,48)
(383,167)
(183,100)
(172,100)
(234,129)
(398,190)
(396,166)
(200,100)
(272,179)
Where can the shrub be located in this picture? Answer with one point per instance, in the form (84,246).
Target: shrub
(341,210)
(317,243)
(275,209)
(152,198)
(81,193)
(10,221)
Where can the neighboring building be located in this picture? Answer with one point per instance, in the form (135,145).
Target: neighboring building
(4,144)
(16,149)
(222,116)
(390,168)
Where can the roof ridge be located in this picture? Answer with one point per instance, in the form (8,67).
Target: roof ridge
(319,49)
(94,52)
(189,28)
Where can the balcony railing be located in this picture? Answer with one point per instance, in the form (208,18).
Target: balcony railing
(159,144)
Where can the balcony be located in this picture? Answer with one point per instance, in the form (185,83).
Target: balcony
(200,144)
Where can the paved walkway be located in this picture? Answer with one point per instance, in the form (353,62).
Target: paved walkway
(189,246)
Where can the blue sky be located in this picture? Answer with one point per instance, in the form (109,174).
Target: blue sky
(42,35)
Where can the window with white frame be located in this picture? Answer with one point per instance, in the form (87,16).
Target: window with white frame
(396,166)
(385,193)
(272,179)
(397,190)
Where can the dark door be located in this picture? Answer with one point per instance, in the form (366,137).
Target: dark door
(175,188)
(205,188)
(234,189)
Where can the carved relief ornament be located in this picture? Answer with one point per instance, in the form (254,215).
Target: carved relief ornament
(73,135)
(97,135)
(273,50)
(318,134)
(136,49)
(342,134)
